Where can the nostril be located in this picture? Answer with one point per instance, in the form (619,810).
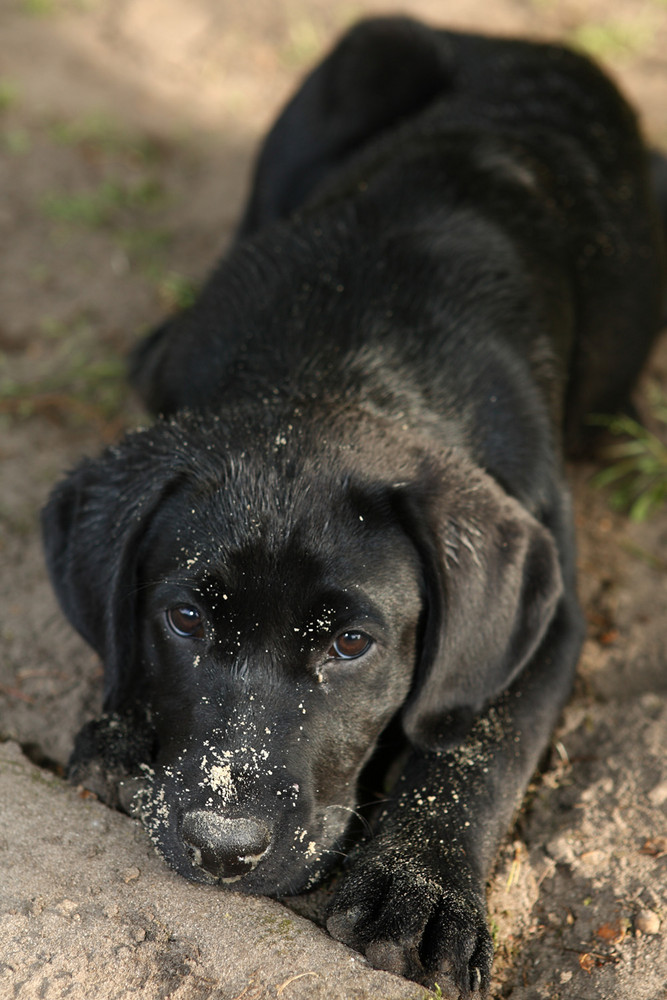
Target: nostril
(227,848)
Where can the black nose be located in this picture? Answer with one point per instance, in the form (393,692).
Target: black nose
(227,848)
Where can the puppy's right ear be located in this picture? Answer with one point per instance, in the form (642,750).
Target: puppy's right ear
(92,526)
(492,583)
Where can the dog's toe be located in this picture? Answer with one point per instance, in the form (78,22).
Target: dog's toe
(415,927)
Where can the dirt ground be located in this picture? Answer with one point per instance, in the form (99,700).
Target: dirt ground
(127,128)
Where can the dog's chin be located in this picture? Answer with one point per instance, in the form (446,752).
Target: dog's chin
(280,877)
(286,871)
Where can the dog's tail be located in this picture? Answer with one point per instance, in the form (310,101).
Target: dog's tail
(658,166)
(382,71)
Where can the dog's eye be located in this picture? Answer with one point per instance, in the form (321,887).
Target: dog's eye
(186,621)
(350,645)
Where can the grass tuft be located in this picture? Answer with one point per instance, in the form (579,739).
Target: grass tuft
(304,43)
(637,475)
(80,385)
(105,205)
(99,132)
(176,291)
(612,39)
(8,95)
(38,8)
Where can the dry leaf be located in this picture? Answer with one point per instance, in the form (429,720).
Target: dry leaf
(655,846)
(587,962)
(613,933)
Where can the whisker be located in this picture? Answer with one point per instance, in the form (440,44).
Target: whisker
(330,850)
(353,812)
(385,800)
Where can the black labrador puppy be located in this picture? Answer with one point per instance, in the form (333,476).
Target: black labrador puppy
(347,540)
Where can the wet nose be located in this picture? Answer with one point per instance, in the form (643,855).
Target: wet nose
(226,848)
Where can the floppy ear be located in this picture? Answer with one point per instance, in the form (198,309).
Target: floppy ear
(492,583)
(92,527)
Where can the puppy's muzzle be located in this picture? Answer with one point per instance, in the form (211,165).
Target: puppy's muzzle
(226,848)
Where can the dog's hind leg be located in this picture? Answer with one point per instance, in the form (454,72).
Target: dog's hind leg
(382,71)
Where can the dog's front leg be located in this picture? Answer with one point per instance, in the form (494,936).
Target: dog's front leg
(108,752)
(413,899)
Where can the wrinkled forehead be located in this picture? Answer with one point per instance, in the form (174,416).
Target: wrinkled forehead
(251,527)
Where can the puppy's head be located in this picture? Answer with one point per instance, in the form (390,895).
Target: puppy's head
(263,610)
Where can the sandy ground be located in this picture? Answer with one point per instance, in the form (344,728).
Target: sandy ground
(127,128)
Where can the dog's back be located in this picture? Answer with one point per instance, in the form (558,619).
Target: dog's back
(523,156)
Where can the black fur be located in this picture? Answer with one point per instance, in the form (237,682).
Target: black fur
(450,256)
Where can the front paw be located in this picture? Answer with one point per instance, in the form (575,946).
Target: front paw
(107,751)
(416,926)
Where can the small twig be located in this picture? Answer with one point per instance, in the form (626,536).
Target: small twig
(293,979)
(11,692)
(515,868)
(562,753)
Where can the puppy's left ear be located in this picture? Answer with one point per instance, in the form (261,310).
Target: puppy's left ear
(92,527)
(492,582)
